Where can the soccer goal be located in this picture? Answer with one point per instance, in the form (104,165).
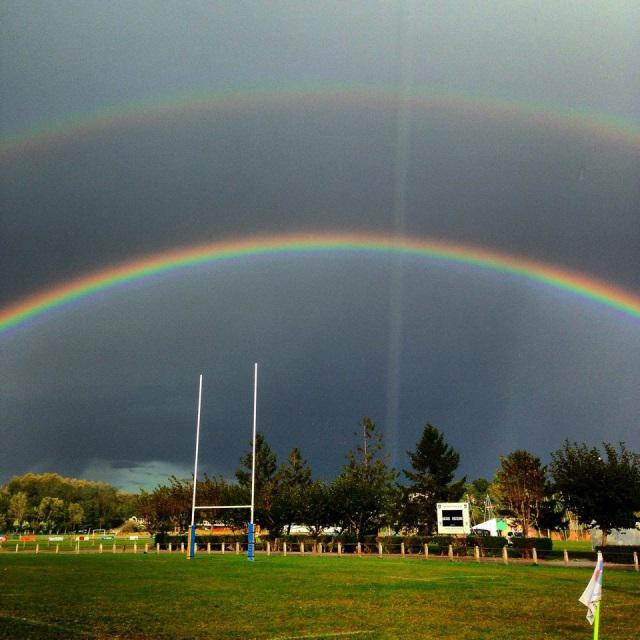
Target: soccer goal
(194,507)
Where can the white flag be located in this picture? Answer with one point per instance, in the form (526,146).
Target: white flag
(593,592)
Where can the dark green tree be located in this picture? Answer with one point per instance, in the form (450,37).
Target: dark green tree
(603,492)
(431,480)
(318,510)
(475,493)
(552,514)
(362,492)
(292,482)
(266,484)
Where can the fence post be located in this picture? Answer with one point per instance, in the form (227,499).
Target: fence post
(302,547)
(505,555)
(57,548)
(268,547)
(635,561)
(101,547)
(380,549)
(37,548)
(170,547)
(402,548)
(284,549)
(146,547)
(157,547)
(17,547)
(78,546)
(359,549)
(208,547)
(237,547)
(426,550)
(566,557)
(320,548)
(339,548)
(476,553)
(534,553)
(135,547)
(182,547)
(451,552)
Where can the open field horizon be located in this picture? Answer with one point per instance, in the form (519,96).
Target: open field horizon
(148,596)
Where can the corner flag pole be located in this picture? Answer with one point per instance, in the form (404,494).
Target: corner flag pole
(250,528)
(192,530)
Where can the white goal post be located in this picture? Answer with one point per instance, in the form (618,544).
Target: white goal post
(194,507)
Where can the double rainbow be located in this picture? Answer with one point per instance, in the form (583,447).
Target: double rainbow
(137,270)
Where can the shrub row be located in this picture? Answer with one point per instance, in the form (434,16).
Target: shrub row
(622,554)
(176,538)
(437,545)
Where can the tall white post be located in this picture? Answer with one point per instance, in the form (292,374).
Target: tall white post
(251,533)
(192,537)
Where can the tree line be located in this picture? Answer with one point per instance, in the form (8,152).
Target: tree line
(599,488)
(50,503)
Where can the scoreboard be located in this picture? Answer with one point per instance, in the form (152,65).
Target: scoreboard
(453,517)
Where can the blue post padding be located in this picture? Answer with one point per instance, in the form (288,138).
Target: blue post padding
(250,540)
(192,542)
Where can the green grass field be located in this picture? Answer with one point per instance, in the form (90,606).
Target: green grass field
(149,596)
(68,543)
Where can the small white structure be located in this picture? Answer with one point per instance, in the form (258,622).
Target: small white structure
(453,517)
(495,527)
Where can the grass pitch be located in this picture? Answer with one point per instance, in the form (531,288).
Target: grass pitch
(149,596)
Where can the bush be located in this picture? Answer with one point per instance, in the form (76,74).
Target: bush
(489,545)
(131,526)
(523,546)
(164,538)
(620,554)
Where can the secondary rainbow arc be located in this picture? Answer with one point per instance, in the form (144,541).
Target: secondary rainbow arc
(611,128)
(578,284)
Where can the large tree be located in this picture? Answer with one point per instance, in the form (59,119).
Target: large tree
(431,480)
(292,479)
(18,508)
(167,507)
(318,507)
(552,514)
(519,488)
(265,484)
(475,493)
(362,491)
(75,515)
(602,492)
(51,512)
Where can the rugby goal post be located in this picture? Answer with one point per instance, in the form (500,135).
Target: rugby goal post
(250,527)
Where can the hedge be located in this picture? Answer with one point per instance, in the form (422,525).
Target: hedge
(171,538)
(621,554)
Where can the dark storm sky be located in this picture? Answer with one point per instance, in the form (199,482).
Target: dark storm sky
(106,388)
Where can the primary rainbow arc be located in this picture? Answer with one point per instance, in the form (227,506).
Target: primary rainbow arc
(557,277)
